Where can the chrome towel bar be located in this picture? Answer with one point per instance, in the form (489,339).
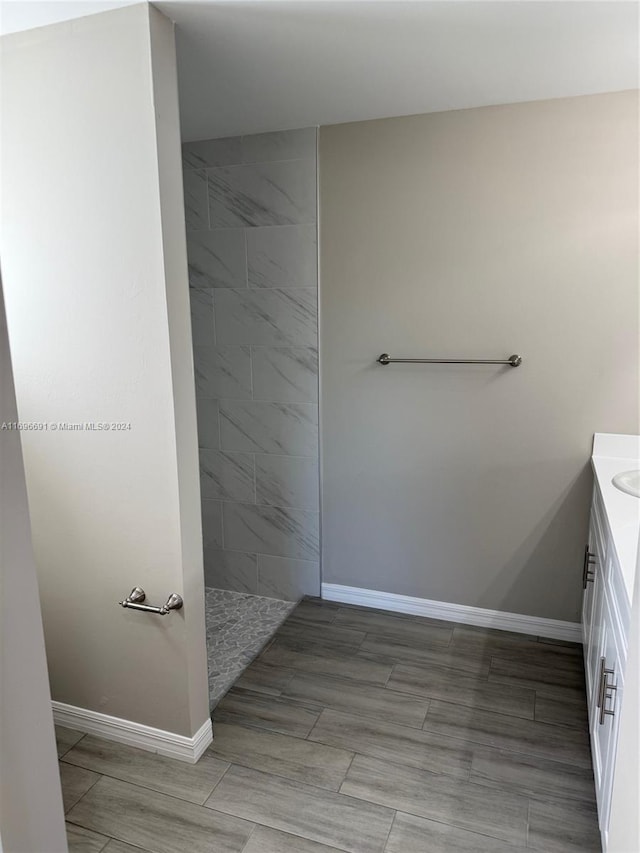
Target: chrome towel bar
(137,596)
(512,361)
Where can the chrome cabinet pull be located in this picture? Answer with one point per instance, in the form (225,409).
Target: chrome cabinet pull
(137,596)
(604,694)
(588,574)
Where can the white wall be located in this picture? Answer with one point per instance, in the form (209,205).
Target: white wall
(476,233)
(31,815)
(95,272)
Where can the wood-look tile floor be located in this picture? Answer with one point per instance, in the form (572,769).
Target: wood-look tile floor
(363,732)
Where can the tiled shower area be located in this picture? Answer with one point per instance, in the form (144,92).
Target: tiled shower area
(250,205)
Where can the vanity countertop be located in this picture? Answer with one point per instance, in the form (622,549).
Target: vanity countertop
(613,454)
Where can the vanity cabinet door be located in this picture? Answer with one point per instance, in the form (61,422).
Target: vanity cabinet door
(593,582)
(605,720)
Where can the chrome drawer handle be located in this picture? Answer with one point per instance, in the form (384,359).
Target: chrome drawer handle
(604,694)
(588,574)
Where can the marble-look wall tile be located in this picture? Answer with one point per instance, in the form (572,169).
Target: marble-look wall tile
(272,530)
(223,372)
(282,256)
(289,428)
(208,423)
(196,212)
(285,374)
(232,570)
(212,152)
(287,481)
(202,330)
(217,258)
(212,525)
(282,193)
(279,145)
(267,317)
(227,476)
(287,579)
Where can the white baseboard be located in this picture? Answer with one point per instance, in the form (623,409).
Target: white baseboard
(516,622)
(134,734)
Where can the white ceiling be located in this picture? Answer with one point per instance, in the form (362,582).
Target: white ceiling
(247,66)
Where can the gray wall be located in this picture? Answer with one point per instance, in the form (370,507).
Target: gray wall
(475,233)
(251,242)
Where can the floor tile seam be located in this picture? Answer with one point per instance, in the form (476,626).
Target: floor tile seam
(109,838)
(497,714)
(83,735)
(144,787)
(555,800)
(84,794)
(354,800)
(238,762)
(471,745)
(433,698)
(442,822)
(396,762)
(254,726)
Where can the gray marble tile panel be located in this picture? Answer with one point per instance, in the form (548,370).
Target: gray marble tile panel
(293,757)
(300,809)
(563,828)
(280,577)
(212,152)
(329,663)
(211,524)
(510,733)
(75,783)
(278,193)
(232,570)
(440,682)
(272,530)
(217,258)
(65,739)
(411,834)
(223,372)
(265,840)
(260,711)
(390,742)
(268,318)
(82,840)
(195,200)
(499,814)
(532,776)
(202,327)
(280,145)
(227,476)
(285,374)
(282,256)
(288,481)
(354,698)
(193,782)
(283,428)
(157,823)
(208,423)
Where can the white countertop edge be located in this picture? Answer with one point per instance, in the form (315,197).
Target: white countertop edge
(613,454)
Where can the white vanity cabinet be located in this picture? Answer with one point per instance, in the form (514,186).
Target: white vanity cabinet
(605,615)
